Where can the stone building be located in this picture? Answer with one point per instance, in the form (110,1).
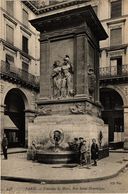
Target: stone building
(19,69)
(114,69)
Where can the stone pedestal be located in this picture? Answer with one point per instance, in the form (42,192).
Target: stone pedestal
(76,117)
(69,80)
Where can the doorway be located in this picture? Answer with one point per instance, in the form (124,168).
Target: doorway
(112,113)
(14,112)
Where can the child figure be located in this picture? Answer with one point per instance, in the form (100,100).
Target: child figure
(94,152)
(83,153)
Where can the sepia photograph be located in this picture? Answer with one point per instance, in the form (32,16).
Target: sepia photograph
(64,96)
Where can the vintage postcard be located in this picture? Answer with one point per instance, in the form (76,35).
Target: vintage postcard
(64,96)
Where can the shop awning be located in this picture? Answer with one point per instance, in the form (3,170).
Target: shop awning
(8,123)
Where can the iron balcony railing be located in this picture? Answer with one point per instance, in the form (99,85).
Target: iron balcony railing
(18,74)
(113,72)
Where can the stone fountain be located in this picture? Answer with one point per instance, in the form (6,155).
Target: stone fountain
(68,105)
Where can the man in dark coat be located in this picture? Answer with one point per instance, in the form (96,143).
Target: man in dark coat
(81,139)
(5,146)
(83,153)
(94,151)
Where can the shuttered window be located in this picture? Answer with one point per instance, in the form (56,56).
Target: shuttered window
(116,8)
(9,59)
(25,71)
(25,44)
(116,65)
(9,34)
(115,37)
(9,62)
(24,66)
(10,7)
(25,17)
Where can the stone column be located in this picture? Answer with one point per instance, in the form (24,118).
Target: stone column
(45,86)
(29,118)
(125,127)
(81,66)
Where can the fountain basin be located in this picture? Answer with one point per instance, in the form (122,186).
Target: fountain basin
(61,157)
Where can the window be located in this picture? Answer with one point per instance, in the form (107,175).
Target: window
(116,65)
(9,62)
(25,44)
(116,36)
(9,59)
(9,34)
(24,71)
(10,7)
(116,8)
(95,8)
(25,17)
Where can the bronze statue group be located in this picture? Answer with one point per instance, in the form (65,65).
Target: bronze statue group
(62,78)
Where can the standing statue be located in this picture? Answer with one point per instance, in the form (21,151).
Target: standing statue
(67,83)
(91,82)
(57,79)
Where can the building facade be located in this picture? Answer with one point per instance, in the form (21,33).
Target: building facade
(19,69)
(114,70)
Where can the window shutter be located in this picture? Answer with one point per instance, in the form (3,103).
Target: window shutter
(9,59)
(9,34)
(25,66)
(25,71)
(116,37)
(24,44)
(116,8)
(25,17)
(10,7)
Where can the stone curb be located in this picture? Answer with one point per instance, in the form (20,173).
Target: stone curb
(68,181)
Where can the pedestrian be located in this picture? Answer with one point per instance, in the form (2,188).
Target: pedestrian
(80,143)
(94,151)
(34,150)
(81,139)
(75,144)
(4,145)
(83,153)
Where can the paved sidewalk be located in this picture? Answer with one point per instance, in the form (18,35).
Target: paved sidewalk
(15,150)
(19,169)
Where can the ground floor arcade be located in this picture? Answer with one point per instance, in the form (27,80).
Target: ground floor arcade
(114,100)
(17,110)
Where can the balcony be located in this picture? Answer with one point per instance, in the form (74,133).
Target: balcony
(114,73)
(19,76)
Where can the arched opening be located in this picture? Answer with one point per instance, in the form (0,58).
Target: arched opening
(14,118)
(112,114)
